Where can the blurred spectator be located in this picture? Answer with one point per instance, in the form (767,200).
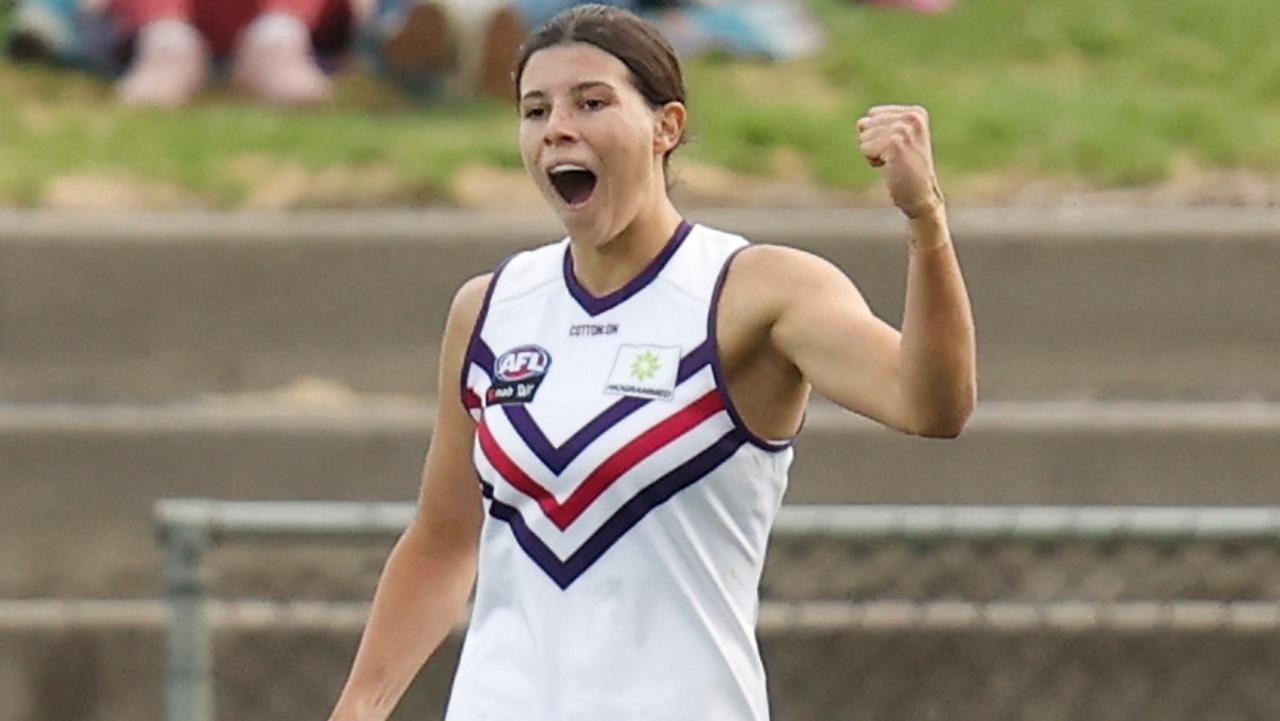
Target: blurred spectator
(49,30)
(269,44)
(470,46)
(769,29)
(463,46)
(168,49)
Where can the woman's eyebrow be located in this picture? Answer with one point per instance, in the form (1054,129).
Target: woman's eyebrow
(576,90)
(591,85)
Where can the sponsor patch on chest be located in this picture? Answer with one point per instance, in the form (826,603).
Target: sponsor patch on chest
(644,371)
(517,375)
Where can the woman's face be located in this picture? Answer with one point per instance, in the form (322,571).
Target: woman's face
(590,140)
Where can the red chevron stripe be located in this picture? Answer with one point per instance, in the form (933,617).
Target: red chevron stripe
(470,400)
(513,473)
(604,476)
(637,450)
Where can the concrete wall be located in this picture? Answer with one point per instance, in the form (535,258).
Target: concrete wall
(859,675)
(1126,357)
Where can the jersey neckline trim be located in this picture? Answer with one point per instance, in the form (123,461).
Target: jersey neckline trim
(595,306)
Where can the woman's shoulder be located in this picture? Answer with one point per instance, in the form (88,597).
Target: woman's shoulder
(470,296)
(779,264)
(748,253)
(766,278)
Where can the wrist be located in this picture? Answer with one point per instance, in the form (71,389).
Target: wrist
(928,230)
(930,205)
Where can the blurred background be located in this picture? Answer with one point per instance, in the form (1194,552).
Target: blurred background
(230,229)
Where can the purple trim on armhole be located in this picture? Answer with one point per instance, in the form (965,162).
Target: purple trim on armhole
(595,306)
(717,368)
(477,352)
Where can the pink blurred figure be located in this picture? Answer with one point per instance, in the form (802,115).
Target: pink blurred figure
(269,43)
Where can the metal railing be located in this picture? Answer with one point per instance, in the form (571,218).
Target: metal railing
(188,529)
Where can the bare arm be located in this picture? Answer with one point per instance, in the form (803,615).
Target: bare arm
(427,579)
(922,380)
(938,353)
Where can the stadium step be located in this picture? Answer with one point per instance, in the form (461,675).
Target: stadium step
(107,660)
(80,481)
(1070,304)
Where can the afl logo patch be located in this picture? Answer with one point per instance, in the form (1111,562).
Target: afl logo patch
(517,374)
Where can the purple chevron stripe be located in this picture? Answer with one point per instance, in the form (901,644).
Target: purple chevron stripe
(564,573)
(482,356)
(525,537)
(595,306)
(558,458)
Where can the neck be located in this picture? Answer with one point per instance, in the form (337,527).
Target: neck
(603,268)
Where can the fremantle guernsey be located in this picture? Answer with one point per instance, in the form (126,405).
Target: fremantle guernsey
(628,507)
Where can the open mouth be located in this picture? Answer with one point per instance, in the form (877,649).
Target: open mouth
(574,183)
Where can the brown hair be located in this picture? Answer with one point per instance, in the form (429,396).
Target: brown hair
(655,69)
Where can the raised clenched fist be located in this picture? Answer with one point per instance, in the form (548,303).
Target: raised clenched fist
(896,139)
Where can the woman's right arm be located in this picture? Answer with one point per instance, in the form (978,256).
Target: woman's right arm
(428,577)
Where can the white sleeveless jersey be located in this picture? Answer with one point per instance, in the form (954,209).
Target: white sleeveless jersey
(628,506)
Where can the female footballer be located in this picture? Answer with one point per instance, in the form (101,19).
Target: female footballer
(626,400)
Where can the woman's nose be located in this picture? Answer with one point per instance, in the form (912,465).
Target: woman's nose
(559,128)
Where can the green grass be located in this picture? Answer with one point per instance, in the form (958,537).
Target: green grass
(1105,92)
(1109,92)
(68,125)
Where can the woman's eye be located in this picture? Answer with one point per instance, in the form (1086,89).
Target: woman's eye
(593,104)
(531,113)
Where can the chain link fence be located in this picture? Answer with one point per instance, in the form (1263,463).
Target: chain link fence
(889,613)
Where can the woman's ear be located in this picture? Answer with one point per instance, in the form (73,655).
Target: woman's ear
(669,124)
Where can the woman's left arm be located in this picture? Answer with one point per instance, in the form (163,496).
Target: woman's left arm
(922,380)
(937,354)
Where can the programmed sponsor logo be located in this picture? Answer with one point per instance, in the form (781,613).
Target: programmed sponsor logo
(517,374)
(644,371)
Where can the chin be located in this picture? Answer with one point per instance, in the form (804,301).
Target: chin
(580,219)
(588,229)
